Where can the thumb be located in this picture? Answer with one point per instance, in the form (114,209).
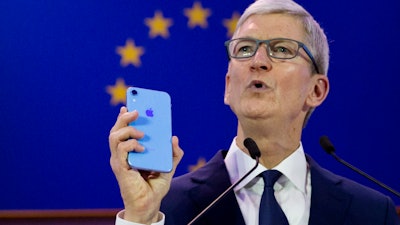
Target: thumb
(177,152)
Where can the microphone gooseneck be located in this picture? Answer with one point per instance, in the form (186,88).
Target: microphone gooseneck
(327,145)
(255,153)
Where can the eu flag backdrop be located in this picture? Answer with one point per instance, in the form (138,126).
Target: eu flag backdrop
(64,66)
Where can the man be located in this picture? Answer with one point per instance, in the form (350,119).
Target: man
(276,77)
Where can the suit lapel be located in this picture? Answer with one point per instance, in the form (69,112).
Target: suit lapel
(329,204)
(212,180)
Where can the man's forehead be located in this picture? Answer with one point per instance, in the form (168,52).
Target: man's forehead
(271,25)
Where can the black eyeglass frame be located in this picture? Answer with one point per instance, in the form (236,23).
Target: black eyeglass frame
(259,42)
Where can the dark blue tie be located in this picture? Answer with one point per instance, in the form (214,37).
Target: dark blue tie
(270,211)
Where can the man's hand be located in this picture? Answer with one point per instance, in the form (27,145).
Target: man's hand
(141,191)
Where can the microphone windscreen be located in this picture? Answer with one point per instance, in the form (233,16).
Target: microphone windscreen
(326,144)
(251,145)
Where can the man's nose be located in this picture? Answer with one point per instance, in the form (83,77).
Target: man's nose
(261,59)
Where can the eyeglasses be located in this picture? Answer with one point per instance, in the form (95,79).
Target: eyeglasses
(279,48)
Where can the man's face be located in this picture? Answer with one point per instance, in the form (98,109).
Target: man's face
(261,87)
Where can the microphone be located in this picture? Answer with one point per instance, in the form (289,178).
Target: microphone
(251,145)
(255,153)
(328,147)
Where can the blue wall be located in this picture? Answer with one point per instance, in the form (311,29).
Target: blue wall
(57,59)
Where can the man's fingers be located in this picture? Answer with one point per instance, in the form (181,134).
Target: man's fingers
(127,146)
(124,118)
(123,134)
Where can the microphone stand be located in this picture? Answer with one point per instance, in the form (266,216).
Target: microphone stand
(362,173)
(327,145)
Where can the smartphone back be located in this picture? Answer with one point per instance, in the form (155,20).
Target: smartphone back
(154,108)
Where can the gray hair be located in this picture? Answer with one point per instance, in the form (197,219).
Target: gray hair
(315,35)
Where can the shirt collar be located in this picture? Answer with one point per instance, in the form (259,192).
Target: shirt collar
(294,167)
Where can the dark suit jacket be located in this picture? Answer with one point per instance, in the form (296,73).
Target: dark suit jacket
(334,200)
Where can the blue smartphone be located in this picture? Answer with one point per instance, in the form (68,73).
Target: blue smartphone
(154,108)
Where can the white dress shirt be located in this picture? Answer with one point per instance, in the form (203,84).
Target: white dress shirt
(292,190)
(120,221)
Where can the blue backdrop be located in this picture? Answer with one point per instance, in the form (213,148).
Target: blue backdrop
(64,63)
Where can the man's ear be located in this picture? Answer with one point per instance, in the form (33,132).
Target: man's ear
(227,89)
(319,90)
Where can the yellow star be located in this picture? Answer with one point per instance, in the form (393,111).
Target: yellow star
(200,163)
(197,15)
(130,54)
(230,24)
(117,92)
(158,25)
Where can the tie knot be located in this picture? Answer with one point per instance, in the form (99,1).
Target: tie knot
(270,177)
